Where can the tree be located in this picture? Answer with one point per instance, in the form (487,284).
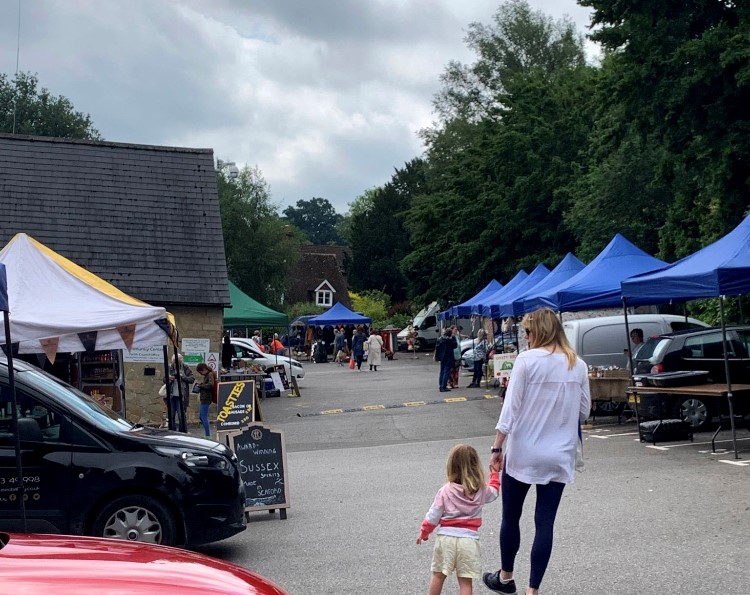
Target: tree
(519,40)
(38,112)
(317,219)
(377,235)
(260,247)
(497,170)
(684,78)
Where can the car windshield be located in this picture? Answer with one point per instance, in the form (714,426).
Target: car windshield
(75,400)
(653,348)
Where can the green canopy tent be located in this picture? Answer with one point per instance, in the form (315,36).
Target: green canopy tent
(246,312)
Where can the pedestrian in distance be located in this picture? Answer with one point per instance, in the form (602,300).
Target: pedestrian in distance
(339,346)
(358,346)
(179,408)
(276,347)
(374,349)
(546,400)
(444,354)
(206,395)
(453,380)
(456,513)
(480,355)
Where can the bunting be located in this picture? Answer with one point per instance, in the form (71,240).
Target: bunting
(127,332)
(88,340)
(49,346)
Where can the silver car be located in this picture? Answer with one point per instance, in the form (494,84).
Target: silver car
(248,351)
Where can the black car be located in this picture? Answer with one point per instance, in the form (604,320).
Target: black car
(88,471)
(694,350)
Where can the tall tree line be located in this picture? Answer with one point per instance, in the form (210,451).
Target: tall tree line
(536,153)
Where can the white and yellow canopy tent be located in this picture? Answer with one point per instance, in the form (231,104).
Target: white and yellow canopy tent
(57,306)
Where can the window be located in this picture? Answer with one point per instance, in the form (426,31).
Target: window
(36,422)
(324,297)
(708,346)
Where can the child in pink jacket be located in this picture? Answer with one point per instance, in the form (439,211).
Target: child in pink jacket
(456,512)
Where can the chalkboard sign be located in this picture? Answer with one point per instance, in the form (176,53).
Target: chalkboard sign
(236,402)
(262,460)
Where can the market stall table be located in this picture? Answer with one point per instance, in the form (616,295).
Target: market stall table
(718,391)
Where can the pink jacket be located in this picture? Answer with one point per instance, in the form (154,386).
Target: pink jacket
(456,513)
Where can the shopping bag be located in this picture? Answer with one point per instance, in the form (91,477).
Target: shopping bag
(579,450)
(351,363)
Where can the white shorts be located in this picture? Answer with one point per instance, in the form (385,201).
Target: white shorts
(457,553)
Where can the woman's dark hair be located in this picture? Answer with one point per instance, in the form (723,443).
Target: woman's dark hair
(202,368)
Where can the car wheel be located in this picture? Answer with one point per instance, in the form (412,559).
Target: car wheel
(421,344)
(136,518)
(694,410)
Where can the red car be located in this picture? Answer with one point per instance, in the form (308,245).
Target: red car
(60,564)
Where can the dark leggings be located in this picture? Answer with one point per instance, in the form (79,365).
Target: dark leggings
(359,357)
(547,501)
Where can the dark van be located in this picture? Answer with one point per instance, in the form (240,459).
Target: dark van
(88,471)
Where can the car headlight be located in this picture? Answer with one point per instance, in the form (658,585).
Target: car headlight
(296,365)
(194,459)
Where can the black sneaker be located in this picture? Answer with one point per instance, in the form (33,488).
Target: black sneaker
(493,583)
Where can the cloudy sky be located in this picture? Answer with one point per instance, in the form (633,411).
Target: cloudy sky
(324,96)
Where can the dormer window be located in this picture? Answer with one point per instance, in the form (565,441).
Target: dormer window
(324,294)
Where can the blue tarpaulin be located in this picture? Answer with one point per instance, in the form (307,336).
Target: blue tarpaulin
(598,284)
(464,309)
(339,314)
(721,268)
(504,307)
(496,297)
(567,267)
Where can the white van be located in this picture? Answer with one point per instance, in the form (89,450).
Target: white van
(602,341)
(427,328)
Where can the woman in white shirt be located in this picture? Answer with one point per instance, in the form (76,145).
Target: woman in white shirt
(546,400)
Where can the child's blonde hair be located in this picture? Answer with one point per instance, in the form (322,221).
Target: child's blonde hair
(464,467)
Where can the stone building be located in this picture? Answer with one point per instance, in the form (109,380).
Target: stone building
(144,218)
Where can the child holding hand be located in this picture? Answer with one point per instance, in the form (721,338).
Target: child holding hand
(456,512)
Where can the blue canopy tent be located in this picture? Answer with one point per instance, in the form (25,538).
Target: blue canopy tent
(567,267)
(504,307)
(598,284)
(339,314)
(718,270)
(476,309)
(465,308)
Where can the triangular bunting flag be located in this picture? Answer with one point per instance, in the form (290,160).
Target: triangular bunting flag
(14,349)
(127,334)
(88,340)
(50,348)
(169,329)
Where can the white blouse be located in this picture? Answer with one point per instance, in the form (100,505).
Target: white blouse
(544,404)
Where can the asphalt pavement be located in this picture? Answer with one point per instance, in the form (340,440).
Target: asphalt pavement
(366,453)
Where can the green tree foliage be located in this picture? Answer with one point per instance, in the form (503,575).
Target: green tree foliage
(260,247)
(38,112)
(684,77)
(495,199)
(317,219)
(373,304)
(518,40)
(377,236)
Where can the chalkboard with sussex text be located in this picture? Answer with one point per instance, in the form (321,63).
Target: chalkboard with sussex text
(261,457)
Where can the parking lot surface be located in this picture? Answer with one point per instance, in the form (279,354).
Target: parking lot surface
(366,454)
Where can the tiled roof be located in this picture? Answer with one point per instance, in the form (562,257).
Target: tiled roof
(144,218)
(309,272)
(340,252)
